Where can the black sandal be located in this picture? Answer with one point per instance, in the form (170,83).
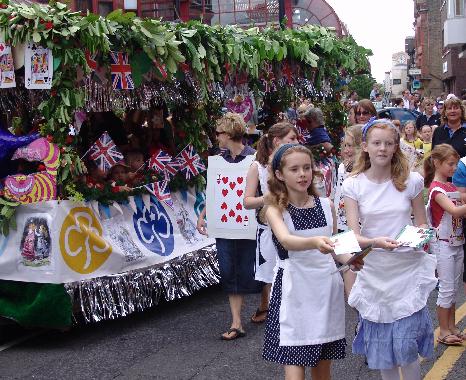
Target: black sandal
(260,316)
(237,334)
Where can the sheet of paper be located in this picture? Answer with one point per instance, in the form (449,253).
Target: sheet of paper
(345,242)
(415,237)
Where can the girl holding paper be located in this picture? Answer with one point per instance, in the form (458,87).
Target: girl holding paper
(306,322)
(446,216)
(391,291)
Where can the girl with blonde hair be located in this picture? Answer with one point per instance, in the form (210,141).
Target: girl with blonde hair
(391,291)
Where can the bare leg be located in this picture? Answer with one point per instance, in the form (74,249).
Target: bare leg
(349,278)
(265,297)
(294,372)
(236,303)
(322,371)
(390,374)
(411,371)
(444,320)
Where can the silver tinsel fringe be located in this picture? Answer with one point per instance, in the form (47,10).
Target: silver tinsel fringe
(119,295)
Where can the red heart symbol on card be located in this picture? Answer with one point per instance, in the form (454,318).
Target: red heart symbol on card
(239,219)
(232,185)
(232,213)
(224,206)
(239,206)
(224,218)
(225,192)
(239,192)
(225,180)
(240,180)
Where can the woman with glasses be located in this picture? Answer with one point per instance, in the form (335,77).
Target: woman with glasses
(236,257)
(365,111)
(428,117)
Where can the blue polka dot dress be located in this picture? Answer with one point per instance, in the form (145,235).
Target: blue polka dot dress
(305,323)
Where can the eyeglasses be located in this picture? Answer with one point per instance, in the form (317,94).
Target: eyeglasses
(218,133)
(365,113)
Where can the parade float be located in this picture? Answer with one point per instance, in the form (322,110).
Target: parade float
(73,250)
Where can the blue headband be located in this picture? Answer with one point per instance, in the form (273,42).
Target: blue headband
(277,158)
(373,121)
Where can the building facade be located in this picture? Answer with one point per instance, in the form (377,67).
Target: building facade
(454,46)
(399,74)
(240,12)
(428,46)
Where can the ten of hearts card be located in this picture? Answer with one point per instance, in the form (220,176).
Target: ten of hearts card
(38,65)
(226,216)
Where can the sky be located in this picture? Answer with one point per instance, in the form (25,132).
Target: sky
(379,25)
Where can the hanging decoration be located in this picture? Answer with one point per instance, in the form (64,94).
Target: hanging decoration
(38,63)
(7,70)
(120,70)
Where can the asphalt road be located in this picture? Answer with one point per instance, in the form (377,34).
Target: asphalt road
(176,340)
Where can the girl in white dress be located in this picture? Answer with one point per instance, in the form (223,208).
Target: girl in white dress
(256,188)
(306,321)
(391,291)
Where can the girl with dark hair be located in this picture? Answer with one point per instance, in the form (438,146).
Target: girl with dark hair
(256,188)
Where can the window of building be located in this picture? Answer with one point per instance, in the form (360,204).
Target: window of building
(455,8)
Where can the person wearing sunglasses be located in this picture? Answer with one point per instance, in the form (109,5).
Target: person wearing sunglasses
(236,257)
(429,116)
(365,111)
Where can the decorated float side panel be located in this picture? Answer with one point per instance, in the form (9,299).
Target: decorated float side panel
(60,242)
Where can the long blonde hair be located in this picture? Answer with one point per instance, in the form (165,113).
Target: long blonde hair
(399,165)
(355,132)
(278,193)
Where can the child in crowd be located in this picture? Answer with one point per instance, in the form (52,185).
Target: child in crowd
(426,136)
(95,176)
(118,177)
(256,188)
(306,321)
(311,126)
(391,291)
(410,135)
(446,216)
(135,161)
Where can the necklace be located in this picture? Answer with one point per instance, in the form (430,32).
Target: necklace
(309,202)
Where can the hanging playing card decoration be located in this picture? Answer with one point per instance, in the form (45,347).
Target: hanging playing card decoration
(242,106)
(188,162)
(38,64)
(161,191)
(121,71)
(105,153)
(7,70)
(159,160)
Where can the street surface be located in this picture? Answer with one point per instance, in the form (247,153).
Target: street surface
(180,340)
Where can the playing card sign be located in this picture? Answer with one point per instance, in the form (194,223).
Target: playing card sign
(226,183)
(7,70)
(38,64)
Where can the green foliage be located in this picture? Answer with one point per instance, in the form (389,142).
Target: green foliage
(362,84)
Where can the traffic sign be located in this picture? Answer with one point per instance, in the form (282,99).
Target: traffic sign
(416,84)
(414,71)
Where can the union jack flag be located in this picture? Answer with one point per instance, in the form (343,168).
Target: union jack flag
(159,160)
(121,71)
(161,191)
(188,162)
(105,153)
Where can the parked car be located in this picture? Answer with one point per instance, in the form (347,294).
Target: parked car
(401,114)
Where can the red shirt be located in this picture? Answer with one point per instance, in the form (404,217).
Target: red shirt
(436,210)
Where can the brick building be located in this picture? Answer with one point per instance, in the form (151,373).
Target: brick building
(454,45)
(428,46)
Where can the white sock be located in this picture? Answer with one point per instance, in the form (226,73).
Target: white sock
(391,374)
(411,371)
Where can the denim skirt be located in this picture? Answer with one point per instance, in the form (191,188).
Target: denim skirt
(236,259)
(388,345)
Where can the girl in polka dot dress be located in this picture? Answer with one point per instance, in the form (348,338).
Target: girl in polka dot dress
(306,322)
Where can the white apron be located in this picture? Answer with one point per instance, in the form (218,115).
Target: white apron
(312,309)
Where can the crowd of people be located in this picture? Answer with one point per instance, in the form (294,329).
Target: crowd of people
(386,174)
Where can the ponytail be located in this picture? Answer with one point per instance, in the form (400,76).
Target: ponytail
(440,153)
(263,150)
(429,171)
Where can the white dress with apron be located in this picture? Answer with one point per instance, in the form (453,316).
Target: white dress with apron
(306,321)
(266,254)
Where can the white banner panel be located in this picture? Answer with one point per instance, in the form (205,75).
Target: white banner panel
(58,242)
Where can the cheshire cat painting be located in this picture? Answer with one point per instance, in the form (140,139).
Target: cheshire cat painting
(31,188)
